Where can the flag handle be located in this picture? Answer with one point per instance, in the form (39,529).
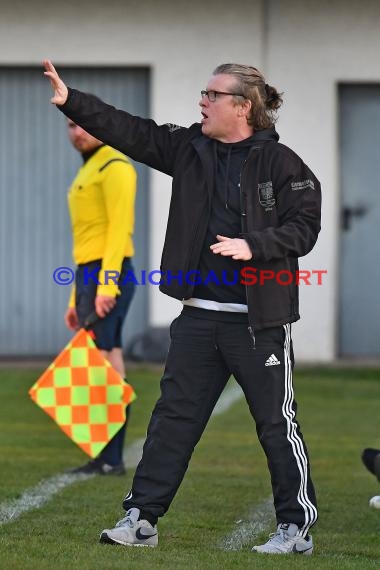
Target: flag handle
(90,321)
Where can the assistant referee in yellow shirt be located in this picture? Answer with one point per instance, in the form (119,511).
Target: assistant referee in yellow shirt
(101,205)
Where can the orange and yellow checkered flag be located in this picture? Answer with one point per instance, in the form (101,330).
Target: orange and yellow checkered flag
(83,394)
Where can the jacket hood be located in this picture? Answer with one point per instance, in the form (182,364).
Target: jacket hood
(259,136)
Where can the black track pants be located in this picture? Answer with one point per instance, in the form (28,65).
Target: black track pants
(202,355)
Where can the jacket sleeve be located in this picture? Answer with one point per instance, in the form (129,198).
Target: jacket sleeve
(298,201)
(141,139)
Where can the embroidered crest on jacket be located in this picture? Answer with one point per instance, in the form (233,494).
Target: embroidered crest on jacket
(266,195)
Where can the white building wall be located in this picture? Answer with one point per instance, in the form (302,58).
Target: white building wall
(304,48)
(313,46)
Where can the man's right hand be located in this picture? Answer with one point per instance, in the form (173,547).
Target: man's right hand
(71,319)
(60,90)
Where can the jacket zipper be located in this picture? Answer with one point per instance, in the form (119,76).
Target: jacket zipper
(243,213)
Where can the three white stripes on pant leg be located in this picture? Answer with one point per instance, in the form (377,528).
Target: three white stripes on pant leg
(262,516)
(295,440)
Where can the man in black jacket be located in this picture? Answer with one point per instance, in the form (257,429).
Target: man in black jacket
(243,209)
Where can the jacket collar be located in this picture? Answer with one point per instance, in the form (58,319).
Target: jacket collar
(205,149)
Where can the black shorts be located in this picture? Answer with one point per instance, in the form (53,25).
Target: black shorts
(107,330)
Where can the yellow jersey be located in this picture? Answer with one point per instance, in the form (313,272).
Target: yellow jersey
(101,206)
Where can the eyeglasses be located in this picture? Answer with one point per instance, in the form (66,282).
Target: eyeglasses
(211,95)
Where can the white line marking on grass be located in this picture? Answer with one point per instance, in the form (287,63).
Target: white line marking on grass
(133,453)
(37,496)
(247,531)
(260,519)
(227,399)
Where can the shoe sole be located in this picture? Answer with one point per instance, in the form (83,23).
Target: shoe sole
(306,552)
(105,539)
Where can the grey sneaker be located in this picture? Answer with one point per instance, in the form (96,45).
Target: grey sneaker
(286,541)
(130,531)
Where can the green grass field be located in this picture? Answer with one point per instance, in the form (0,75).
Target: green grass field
(227,479)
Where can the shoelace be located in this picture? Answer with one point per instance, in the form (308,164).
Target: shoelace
(125,521)
(279,539)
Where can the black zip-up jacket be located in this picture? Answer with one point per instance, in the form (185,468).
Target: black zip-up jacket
(280,201)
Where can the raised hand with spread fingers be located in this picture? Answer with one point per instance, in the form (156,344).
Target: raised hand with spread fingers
(60,90)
